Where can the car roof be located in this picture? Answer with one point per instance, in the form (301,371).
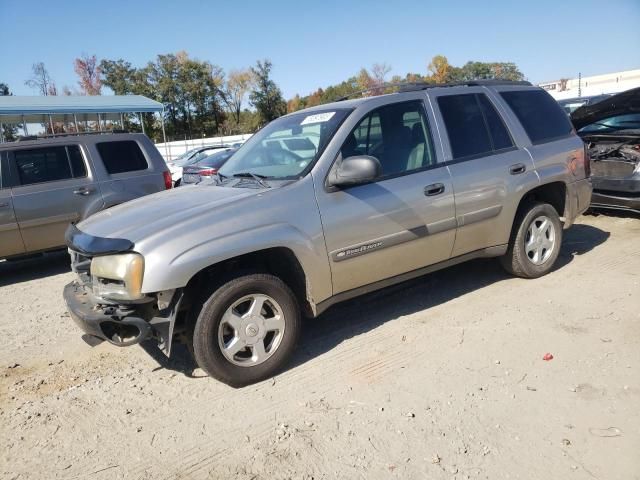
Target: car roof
(411,88)
(71,138)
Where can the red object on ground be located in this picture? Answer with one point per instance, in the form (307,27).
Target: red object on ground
(547,357)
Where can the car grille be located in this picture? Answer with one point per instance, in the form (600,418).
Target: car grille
(81,265)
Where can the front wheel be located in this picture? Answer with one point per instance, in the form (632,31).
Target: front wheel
(535,242)
(247,329)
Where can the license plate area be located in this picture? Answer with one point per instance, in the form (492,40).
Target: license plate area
(191,178)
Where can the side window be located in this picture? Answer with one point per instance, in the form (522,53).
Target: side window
(473,125)
(49,164)
(397,135)
(120,157)
(540,115)
(500,138)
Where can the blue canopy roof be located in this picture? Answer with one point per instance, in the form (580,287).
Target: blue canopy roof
(13,107)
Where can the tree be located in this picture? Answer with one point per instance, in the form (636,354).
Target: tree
(41,81)
(266,96)
(8,130)
(238,84)
(440,69)
(379,72)
(118,75)
(88,70)
(489,70)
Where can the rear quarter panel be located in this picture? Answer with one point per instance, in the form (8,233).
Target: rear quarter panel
(122,187)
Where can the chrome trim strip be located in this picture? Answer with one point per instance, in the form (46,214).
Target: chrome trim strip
(345,253)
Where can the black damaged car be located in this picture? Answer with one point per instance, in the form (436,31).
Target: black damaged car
(611,131)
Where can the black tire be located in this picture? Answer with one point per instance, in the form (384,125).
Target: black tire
(516,261)
(206,349)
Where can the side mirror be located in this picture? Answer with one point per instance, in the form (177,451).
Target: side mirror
(355,170)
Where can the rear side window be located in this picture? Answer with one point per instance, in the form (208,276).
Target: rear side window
(120,157)
(40,165)
(473,125)
(540,115)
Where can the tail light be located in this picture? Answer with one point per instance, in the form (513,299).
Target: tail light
(168,181)
(209,172)
(586,161)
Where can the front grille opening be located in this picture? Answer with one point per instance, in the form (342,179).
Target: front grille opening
(108,281)
(118,332)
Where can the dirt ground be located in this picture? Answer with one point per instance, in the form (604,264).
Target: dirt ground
(441,377)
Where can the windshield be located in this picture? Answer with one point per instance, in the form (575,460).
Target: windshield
(182,157)
(630,121)
(287,146)
(195,155)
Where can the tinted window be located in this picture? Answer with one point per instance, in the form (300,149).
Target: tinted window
(465,125)
(120,157)
(540,115)
(473,125)
(397,135)
(78,168)
(498,133)
(49,164)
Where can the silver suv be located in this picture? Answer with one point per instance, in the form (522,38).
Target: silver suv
(47,183)
(390,187)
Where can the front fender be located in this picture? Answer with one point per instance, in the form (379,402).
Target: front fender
(166,270)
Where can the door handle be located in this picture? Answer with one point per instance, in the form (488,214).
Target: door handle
(434,189)
(4,204)
(517,168)
(83,191)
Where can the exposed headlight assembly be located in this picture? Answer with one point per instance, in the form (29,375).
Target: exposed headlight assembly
(118,277)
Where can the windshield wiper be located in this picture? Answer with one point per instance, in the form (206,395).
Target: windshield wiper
(256,176)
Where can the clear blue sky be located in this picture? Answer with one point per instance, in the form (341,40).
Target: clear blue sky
(317,43)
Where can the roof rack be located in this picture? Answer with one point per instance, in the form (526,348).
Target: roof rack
(417,86)
(24,138)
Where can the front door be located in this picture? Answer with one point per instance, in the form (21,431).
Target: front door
(404,220)
(10,239)
(54,187)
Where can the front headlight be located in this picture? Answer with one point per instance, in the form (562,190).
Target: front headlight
(118,277)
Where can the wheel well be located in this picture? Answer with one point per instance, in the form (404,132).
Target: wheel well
(278,261)
(555,194)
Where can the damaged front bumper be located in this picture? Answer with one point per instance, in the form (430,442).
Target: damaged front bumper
(121,325)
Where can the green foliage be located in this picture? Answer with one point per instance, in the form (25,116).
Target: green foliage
(439,71)
(190,89)
(9,132)
(266,97)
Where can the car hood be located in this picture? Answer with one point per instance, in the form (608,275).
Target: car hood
(161,212)
(620,104)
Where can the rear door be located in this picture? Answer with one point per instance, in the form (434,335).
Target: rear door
(10,239)
(488,167)
(53,187)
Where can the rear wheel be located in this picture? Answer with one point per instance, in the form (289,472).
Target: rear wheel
(535,242)
(247,329)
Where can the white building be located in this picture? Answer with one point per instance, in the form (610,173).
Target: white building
(594,85)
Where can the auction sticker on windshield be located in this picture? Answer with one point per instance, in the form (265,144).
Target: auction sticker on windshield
(318,118)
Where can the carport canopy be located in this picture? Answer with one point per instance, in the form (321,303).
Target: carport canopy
(32,109)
